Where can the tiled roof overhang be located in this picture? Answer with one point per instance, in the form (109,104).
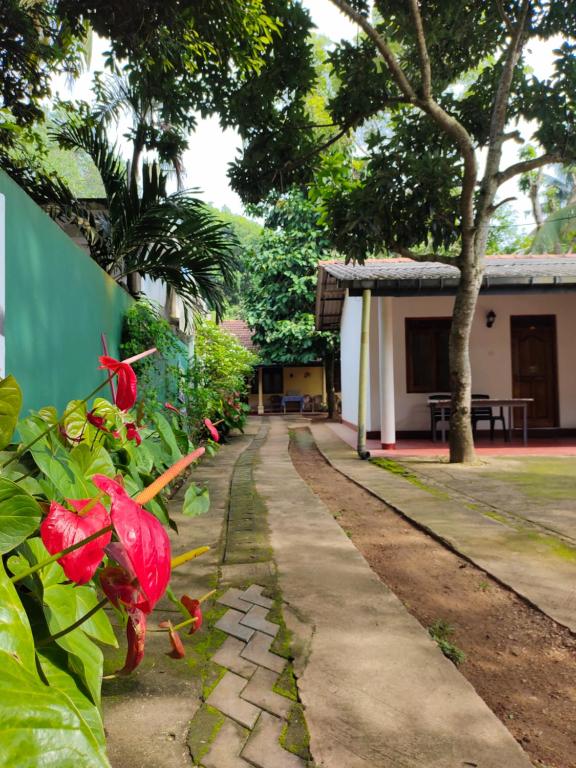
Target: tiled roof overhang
(402,277)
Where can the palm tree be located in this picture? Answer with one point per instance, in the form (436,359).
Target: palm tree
(173,238)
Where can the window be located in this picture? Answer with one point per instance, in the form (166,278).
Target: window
(427,367)
(272,381)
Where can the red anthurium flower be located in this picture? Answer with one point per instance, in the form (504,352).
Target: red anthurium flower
(120,588)
(127,383)
(195,611)
(145,543)
(212,429)
(61,528)
(177,651)
(172,408)
(132,432)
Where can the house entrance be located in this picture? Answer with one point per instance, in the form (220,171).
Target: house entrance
(534,366)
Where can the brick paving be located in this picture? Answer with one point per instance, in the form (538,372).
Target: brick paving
(255,715)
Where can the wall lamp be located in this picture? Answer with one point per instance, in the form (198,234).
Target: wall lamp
(490,318)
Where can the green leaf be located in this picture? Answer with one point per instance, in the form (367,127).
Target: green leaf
(20,515)
(61,611)
(97,626)
(39,726)
(54,663)
(167,434)
(15,633)
(196,501)
(10,405)
(86,461)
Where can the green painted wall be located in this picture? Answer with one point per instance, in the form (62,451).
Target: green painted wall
(58,302)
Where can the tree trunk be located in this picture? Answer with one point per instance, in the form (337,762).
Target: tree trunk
(461,437)
(134,284)
(330,396)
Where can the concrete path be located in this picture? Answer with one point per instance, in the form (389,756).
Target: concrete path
(377,691)
(534,564)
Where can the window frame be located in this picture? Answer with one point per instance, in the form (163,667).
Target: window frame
(434,326)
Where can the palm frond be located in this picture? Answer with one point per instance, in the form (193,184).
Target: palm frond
(93,140)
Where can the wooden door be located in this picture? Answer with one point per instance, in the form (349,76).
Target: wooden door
(534,369)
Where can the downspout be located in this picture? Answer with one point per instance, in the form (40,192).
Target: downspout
(363,374)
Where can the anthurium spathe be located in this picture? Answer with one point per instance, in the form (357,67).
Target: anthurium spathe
(61,528)
(212,429)
(127,382)
(132,432)
(144,541)
(195,611)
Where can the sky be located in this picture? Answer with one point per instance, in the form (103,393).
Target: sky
(211,149)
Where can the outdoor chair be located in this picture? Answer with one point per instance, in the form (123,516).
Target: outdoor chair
(436,413)
(487,414)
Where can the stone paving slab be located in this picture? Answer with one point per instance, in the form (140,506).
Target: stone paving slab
(226,698)
(527,565)
(230,623)
(256,619)
(231,599)
(228,655)
(226,747)
(254,595)
(263,748)
(377,691)
(259,691)
(258,651)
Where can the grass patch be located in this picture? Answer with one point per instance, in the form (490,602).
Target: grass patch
(295,737)
(401,471)
(204,728)
(286,684)
(441,632)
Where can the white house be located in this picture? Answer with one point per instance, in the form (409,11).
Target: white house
(523,342)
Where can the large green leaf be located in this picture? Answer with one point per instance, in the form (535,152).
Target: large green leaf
(167,434)
(196,501)
(52,458)
(20,515)
(54,663)
(39,725)
(86,461)
(85,658)
(15,633)
(97,626)
(10,404)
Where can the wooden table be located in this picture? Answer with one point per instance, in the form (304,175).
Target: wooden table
(510,404)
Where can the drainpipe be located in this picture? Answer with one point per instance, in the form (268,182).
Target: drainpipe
(363,374)
(260,392)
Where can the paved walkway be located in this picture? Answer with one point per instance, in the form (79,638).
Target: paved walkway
(533,563)
(377,692)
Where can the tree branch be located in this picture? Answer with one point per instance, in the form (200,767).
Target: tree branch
(514,135)
(436,258)
(382,46)
(425,69)
(527,165)
(505,17)
(502,202)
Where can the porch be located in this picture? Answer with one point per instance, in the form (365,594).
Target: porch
(423,448)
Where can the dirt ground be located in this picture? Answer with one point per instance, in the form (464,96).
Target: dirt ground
(519,661)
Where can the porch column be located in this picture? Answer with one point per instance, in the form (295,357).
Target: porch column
(260,393)
(387,400)
(363,374)
(324,403)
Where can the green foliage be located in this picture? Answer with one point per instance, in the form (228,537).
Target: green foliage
(403,189)
(557,234)
(280,296)
(504,235)
(158,375)
(441,632)
(196,501)
(219,373)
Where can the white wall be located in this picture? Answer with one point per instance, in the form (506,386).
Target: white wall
(491,352)
(350,325)
(350,329)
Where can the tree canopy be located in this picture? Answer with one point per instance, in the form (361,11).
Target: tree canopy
(281,283)
(427,86)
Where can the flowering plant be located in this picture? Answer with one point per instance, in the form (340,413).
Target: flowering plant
(82,524)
